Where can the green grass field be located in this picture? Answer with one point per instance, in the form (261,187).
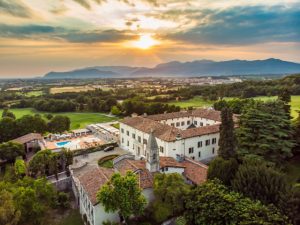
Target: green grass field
(198,101)
(78,120)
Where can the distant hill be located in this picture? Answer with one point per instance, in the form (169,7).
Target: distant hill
(194,68)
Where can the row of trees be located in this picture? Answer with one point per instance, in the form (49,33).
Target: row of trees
(11,128)
(24,199)
(252,159)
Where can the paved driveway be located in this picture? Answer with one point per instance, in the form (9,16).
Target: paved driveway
(92,158)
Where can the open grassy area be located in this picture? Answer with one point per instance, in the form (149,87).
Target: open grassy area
(73,218)
(78,120)
(198,101)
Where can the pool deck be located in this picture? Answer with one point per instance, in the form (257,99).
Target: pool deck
(82,142)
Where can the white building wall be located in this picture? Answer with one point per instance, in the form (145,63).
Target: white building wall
(178,147)
(96,215)
(168,170)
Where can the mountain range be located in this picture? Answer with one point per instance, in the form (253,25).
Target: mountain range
(184,69)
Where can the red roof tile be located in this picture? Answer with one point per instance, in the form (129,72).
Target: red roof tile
(195,171)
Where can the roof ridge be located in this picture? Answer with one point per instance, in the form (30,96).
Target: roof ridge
(196,162)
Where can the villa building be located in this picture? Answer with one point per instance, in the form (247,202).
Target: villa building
(88,179)
(193,134)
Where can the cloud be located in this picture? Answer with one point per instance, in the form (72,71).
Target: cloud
(87,4)
(12,7)
(75,36)
(244,25)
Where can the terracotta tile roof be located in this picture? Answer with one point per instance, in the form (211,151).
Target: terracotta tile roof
(139,167)
(195,171)
(28,137)
(161,131)
(169,162)
(166,132)
(202,112)
(198,131)
(93,180)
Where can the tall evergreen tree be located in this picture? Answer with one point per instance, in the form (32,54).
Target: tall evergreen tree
(285,96)
(265,131)
(227,138)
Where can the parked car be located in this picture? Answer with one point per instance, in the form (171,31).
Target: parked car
(109,148)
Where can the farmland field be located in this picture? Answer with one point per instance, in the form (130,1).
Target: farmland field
(198,101)
(57,90)
(78,120)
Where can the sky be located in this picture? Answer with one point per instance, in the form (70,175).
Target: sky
(39,36)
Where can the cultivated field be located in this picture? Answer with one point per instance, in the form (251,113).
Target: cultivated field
(78,120)
(198,101)
(57,90)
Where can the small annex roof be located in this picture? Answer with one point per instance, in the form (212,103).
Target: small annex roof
(93,179)
(28,138)
(195,171)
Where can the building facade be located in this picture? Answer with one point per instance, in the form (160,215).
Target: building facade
(193,134)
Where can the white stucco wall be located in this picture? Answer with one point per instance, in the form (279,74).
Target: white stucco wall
(178,147)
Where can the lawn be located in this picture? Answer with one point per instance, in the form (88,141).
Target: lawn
(78,120)
(73,218)
(198,101)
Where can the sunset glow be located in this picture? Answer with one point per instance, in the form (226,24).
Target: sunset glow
(145,41)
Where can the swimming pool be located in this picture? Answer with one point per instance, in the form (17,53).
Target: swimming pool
(62,144)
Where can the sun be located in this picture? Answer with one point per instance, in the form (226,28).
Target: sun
(145,41)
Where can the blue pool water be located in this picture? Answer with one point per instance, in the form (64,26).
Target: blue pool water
(62,144)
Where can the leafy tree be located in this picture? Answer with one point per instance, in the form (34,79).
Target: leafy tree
(59,124)
(170,189)
(115,110)
(20,168)
(265,131)
(7,129)
(40,163)
(122,194)
(222,169)
(227,138)
(9,215)
(11,150)
(257,181)
(37,124)
(214,203)
(7,113)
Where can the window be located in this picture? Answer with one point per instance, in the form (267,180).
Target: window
(133,136)
(177,124)
(161,149)
(213,150)
(199,144)
(199,154)
(139,139)
(122,140)
(207,142)
(195,122)
(154,156)
(182,123)
(172,124)
(127,143)
(166,168)
(144,141)
(127,132)
(201,124)
(193,158)
(214,141)
(191,150)
(188,122)
(122,130)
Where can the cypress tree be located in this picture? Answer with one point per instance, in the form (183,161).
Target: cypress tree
(227,138)
(285,96)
